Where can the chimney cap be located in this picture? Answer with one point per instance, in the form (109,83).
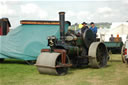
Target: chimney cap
(61,12)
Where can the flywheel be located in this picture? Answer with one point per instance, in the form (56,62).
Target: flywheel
(88,37)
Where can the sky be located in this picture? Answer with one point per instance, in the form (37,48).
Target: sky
(77,11)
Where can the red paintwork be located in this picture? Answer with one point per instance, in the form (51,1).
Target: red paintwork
(125,52)
(0,31)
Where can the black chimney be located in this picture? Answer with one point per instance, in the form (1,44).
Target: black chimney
(62,24)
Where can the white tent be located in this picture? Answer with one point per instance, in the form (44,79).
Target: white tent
(119,28)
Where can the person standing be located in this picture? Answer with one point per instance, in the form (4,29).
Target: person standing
(84,27)
(93,28)
(111,39)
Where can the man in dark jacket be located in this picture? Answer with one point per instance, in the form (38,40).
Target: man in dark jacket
(84,27)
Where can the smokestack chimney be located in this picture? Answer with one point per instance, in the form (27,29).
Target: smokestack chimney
(62,24)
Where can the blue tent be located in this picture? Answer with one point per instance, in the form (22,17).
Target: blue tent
(26,41)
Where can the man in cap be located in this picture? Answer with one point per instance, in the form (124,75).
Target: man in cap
(84,27)
(93,28)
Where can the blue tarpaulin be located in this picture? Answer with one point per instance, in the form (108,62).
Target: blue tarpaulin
(26,41)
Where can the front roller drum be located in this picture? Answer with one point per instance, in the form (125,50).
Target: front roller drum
(50,63)
(98,55)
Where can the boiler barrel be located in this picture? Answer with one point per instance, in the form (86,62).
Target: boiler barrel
(74,50)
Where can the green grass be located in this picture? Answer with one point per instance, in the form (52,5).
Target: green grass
(15,72)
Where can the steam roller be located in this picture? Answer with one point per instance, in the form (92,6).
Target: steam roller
(71,50)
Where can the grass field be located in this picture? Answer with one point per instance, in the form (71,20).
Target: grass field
(15,72)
